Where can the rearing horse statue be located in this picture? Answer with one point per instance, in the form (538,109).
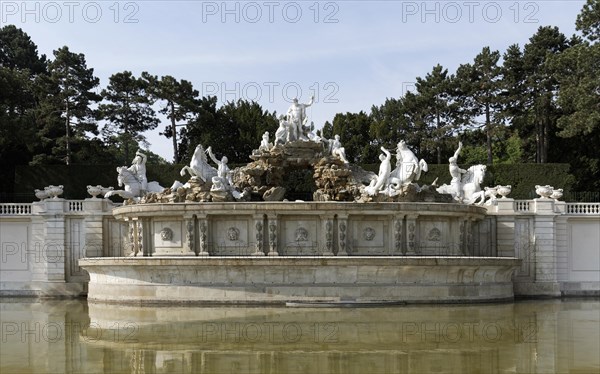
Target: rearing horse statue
(133,187)
(470,184)
(199,166)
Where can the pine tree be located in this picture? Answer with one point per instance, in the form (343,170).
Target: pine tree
(128,110)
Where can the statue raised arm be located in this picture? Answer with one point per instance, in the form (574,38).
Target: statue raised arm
(456,173)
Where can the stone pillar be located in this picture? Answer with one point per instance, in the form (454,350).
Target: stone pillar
(342,222)
(202,236)
(505,227)
(259,230)
(93,226)
(52,244)
(327,235)
(273,224)
(544,228)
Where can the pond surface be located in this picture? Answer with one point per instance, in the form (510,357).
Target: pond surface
(72,336)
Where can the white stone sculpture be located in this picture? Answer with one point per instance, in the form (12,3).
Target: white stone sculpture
(94,191)
(504,190)
(199,166)
(53,191)
(456,174)
(222,181)
(138,168)
(281,135)
(385,169)
(490,193)
(408,167)
(296,117)
(557,194)
(41,194)
(470,185)
(133,187)
(544,191)
(265,145)
(336,149)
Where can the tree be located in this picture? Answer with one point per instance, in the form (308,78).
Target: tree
(180,102)
(128,110)
(17,51)
(530,96)
(233,130)
(588,21)
(66,96)
(479,86)
(434,105)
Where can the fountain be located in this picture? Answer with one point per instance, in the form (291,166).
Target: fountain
(229,236)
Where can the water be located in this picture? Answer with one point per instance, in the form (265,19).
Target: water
(550,336)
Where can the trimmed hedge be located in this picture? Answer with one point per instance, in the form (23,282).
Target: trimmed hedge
(76,178)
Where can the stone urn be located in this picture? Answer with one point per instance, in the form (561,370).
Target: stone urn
(41,194)
(94,191)
(544,191)
(54,191)
(557,194)
(504,190)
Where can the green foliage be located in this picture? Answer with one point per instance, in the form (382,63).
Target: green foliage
(233,130)
(588,21)
(128,110)
(180,103)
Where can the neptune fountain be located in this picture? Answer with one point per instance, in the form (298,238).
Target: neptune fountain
(231,236)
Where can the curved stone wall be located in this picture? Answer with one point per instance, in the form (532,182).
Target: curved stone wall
(279,280)
(300,228)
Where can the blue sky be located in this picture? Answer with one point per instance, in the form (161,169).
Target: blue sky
(351,54)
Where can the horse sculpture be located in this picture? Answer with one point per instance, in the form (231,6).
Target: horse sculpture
(199,166)
(470,186)
(133,187)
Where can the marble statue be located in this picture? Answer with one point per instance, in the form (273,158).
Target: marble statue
(385,168)
(296,116)
(469,183)
(265,145)
(222,181)
(282,133)
(199,166)
(408,167)
(138,169)
(336,149)
(133,186)
(456,174)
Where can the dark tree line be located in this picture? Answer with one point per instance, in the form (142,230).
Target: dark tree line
(534,103)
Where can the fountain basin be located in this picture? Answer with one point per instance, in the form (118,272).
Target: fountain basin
(299,279)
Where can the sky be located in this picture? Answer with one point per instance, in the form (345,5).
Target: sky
(350,54)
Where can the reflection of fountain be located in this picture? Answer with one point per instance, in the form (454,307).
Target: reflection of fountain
(355,216)
(407,339)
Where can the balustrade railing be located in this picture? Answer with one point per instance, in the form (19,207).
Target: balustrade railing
(74,205)
(583,208)
(14,209)
(523,206)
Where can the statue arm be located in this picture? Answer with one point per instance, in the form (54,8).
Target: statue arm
(388,155)
(458,150)
(312,100)
(212,156)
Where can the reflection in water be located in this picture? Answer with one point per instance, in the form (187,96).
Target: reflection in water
(72,336)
